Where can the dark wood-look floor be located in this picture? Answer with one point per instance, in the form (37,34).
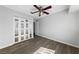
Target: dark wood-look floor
(31,45)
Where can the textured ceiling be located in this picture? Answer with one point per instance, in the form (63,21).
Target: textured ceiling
(26,9)
(74,8)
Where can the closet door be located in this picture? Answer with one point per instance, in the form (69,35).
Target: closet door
(19,29)
(26,29)
(31,28)
(22,29)
(16,22)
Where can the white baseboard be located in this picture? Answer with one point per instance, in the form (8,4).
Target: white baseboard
(59,41)
(6,46)
(45,37)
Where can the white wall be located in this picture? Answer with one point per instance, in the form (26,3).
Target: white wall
(6,25)
(60,27)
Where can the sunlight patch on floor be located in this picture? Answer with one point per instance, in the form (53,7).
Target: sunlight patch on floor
(43,50)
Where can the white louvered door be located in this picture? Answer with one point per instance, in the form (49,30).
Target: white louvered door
(23,29)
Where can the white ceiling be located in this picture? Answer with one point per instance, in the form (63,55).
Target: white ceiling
(26,9)
(74,8)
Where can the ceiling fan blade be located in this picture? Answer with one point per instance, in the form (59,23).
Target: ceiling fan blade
(34,12)
(47,7)
(36,7)
(45,12)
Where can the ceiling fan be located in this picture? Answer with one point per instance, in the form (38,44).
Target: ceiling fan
(41,10)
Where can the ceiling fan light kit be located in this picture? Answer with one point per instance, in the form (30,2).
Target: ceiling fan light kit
(41,10)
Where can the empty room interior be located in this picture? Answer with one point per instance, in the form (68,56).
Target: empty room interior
(39,29)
